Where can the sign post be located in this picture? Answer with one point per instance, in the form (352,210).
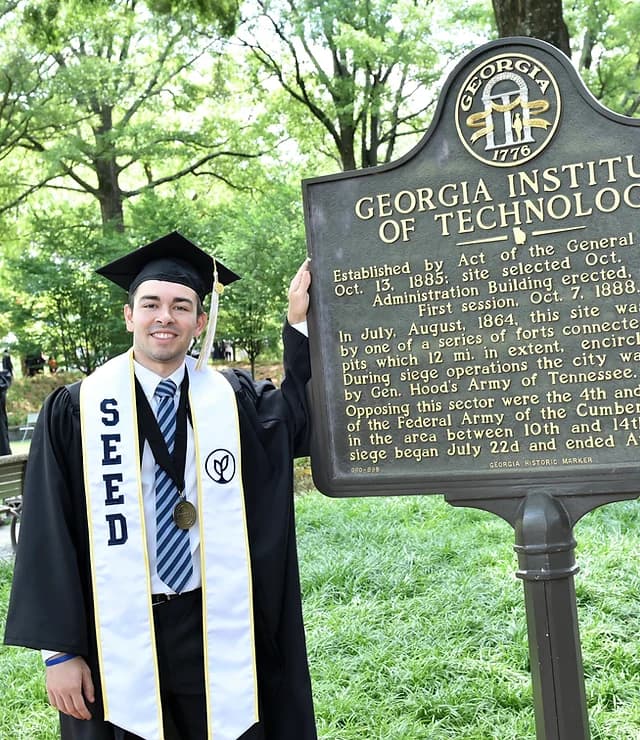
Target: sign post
(475,327)
(545,545)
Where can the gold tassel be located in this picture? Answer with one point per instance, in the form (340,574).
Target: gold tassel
(207,343)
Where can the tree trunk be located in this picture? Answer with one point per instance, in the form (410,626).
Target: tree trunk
(107,172)
(540,19)
(110,198)
(346,146)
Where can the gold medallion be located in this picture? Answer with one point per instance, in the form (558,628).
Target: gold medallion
(184,515)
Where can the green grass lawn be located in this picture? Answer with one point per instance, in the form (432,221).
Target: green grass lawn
(416,625)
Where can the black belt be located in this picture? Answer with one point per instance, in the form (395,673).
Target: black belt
(163,598)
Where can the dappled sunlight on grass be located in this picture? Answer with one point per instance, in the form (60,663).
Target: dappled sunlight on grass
(416,621)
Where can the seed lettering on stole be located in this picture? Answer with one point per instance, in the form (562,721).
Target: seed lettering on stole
(116,522)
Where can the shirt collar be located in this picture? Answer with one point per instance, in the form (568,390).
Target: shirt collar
(149,380)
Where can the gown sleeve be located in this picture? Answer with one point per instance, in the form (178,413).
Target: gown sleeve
(297,373)
(271,410)
(48,602)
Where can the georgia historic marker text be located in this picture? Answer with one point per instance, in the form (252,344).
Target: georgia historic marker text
(475,313)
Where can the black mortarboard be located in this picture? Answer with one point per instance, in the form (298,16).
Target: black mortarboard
(172,258)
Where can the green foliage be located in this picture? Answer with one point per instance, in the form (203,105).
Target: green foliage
(27,394)
(364,72)
(608,51)
(106,76)
(262,239)
(63,309)
(222,12)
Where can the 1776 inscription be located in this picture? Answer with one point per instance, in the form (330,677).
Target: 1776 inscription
(476,308)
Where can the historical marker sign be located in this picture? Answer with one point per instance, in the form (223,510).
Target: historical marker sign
(475,317)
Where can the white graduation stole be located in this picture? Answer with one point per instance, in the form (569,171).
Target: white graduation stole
(120,564)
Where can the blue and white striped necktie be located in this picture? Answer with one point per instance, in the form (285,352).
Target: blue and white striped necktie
(173,552)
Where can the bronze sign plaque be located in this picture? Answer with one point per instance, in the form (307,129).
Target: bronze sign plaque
(475,315)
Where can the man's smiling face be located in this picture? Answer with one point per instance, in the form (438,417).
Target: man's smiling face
(164,320)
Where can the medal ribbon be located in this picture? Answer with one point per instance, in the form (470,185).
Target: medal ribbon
(172,463)
(173,554)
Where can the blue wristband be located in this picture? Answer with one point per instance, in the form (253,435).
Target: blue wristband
(54,660)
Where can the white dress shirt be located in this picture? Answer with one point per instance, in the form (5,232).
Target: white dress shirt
(149,381)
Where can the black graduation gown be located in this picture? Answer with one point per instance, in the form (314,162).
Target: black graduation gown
(51,602)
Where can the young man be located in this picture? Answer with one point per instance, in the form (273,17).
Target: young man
(157,565)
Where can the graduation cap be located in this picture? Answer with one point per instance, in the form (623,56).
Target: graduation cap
(174,259)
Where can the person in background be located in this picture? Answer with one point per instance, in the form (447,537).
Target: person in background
(159,492)
(5,382)
(7,364)
(34,364)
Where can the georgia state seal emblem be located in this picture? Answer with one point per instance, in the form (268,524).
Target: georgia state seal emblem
(508,109)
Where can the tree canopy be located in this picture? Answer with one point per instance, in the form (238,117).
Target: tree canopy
(123,120)
(99,81)
(363,73)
